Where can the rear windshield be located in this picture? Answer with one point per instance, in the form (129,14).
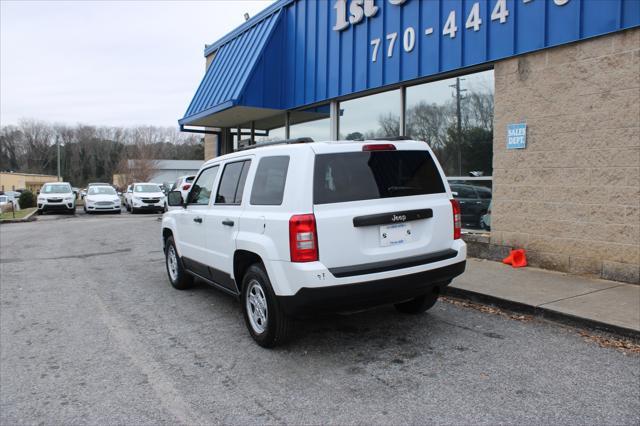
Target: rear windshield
(354,176)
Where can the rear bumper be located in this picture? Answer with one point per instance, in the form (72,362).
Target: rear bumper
(368,294)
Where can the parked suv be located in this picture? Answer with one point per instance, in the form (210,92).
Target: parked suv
(292,228)
(474,203)
(56,196)
(145,196)
(183,184)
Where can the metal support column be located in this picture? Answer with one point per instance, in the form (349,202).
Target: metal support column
(253,133)
(334,113)
(287,123)
(403,111)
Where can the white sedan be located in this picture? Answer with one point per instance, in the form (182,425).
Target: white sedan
(101,199)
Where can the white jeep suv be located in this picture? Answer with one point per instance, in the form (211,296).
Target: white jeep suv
(298,226)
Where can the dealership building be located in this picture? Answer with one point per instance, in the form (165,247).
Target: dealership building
(538,100)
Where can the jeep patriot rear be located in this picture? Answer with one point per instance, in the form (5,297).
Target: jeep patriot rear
(296,227)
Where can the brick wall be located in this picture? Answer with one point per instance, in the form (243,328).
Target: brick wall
(572,197)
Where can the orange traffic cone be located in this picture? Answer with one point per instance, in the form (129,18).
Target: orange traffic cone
(517,258)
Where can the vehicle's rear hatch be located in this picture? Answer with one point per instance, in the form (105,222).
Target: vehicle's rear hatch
(380,206)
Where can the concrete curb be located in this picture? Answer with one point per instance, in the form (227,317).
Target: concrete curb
(542,312)
(28,218)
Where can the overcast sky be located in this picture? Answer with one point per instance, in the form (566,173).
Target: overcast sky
(108,62)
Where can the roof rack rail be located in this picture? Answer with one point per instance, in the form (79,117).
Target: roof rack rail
(280,142)
(393,138)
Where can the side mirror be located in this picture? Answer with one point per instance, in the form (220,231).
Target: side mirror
(175,199)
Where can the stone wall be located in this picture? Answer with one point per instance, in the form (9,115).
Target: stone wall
(572,197)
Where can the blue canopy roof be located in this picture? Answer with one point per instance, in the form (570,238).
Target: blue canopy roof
(230,71)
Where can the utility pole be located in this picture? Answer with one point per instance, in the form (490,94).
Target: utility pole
(58,147)
(459,98)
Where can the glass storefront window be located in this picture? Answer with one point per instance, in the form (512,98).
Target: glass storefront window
(432,116)
(274,135)
(374,116)
(311,122)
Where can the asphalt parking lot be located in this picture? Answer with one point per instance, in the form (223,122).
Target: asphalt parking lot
(92,333)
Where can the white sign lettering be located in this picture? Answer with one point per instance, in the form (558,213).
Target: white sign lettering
(358,10)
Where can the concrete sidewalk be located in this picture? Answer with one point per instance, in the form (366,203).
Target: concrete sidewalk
(608,305)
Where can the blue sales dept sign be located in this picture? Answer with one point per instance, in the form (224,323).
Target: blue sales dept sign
(517,136)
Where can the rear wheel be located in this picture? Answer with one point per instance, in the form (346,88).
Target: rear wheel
(267,323)
(178,277)
(420,304)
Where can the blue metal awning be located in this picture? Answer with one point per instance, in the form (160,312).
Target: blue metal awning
(230,72)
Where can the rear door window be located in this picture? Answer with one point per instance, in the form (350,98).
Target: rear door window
(232,182)
(354,176)
(268,184)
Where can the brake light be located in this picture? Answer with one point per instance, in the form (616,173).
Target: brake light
(457,219)
(303,238)
(379,147)
(186,186)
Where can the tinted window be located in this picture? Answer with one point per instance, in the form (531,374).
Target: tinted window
(485,194)
(268,185)
(200,193)
(356,176)
(232,183)
(463,191)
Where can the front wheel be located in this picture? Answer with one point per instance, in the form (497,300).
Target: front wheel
(178,277)
(420,304)
(267,323)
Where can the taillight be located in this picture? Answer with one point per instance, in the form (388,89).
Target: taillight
(303,238)
(457,219)
(186,186)
(379,147)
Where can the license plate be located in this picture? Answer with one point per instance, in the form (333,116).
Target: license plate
(397,233)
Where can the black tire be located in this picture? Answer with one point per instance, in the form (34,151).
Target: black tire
(133,210)
(420,304)
(278,326)
(181,280)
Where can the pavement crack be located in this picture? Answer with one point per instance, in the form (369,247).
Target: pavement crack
(578,295)
(142,358)
(74,256)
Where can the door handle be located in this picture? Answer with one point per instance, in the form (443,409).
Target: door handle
(197,219)
(227,222)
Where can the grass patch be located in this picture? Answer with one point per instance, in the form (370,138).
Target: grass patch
(19,214)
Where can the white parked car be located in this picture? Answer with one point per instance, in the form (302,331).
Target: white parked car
(183,184)
(145,196)
(292,228)
(56,196)
(102,198)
